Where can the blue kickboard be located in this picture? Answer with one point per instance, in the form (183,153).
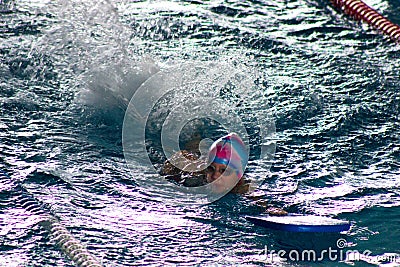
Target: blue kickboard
(301,223)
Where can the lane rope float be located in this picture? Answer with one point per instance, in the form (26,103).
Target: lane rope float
(58,234)
(361,11)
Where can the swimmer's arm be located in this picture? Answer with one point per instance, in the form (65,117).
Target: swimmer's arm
(276,211)
(268,208)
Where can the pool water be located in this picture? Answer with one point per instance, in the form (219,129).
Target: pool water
(68,70)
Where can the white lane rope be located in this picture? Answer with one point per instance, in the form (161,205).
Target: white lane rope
(69,245)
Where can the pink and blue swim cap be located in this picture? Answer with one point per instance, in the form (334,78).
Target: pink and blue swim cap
(231,151)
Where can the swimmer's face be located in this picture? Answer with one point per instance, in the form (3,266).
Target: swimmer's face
(215,170)
(225,177)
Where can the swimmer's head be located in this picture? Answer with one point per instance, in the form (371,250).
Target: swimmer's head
(228,154)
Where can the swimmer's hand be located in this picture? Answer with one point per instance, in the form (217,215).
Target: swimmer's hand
(276,211)
(271,210)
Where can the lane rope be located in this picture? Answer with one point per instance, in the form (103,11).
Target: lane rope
(361,11)
(58,234)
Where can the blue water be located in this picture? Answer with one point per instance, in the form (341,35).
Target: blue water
(331,85)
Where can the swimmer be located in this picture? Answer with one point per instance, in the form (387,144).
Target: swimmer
(223,169)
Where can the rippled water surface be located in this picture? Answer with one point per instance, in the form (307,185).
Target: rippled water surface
(68,70)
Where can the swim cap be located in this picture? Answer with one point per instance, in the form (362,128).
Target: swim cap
(231,151)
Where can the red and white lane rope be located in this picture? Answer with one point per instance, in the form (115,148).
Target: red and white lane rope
(361,11)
